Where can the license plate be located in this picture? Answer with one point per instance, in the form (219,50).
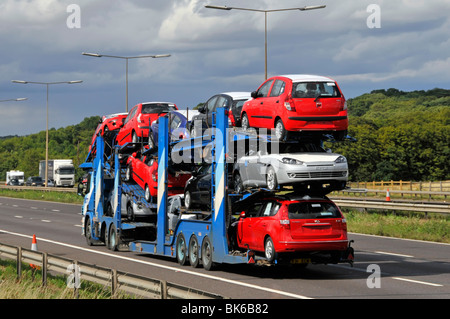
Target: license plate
(301,261)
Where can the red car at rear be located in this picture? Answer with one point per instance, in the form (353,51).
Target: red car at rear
(297,103)
(298,228)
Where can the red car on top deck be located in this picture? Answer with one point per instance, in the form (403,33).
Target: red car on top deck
(297,103)
(138,121)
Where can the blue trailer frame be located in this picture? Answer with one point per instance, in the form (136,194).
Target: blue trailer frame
(192,239)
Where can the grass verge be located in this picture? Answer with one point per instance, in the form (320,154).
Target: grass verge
(410,225)
(30,285)
(53,196)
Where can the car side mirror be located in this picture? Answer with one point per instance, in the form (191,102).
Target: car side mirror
(201,109)
(254,94)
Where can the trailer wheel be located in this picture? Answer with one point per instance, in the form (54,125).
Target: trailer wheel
(193,251)
(207,254)
(181,250)
(88,232)
(112,241)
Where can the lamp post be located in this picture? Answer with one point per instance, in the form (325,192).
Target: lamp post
(47,84)
(306,8)
(126,58)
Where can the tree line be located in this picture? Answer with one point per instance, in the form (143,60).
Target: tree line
(399,136)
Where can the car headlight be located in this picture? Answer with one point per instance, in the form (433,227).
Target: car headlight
(287,160)
(341,159)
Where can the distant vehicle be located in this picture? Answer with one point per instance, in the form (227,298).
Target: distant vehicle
(301,228)
(34,181)
(60,171)
(293,164)
(137,123)
(232,101)
(19,175)
(297,103)
(177,126)
(15,182)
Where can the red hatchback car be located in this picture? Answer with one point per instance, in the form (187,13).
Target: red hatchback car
(301,229)
(108,123)
(138,121)
(144,171)
(295,103)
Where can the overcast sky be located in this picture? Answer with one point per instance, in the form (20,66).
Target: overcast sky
(213,51)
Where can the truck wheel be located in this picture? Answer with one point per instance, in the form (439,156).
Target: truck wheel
(207,254)
(181,250)
(112,241)
(193,251)
(88,232)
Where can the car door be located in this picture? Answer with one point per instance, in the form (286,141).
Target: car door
(125,132)
(263,224)
(245,226)
(259,115)
(204,184)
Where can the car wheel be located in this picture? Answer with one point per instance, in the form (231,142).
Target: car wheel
(188,200)
(128,173)
(238,187)
(147,193)
(151,143)
(130,213)
(244,122)
(269,249)
(271,179)
(134,138)
(280,131)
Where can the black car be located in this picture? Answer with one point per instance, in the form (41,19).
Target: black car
(232,101)
(197,192)
(34,181)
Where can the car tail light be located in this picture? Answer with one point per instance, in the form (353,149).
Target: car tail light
(155,176)
(284,218)
(289,106)
(343,105)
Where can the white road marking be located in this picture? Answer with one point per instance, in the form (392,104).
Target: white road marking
(230,281)
(418,282)
(393,254)
(18,216)
(46,221)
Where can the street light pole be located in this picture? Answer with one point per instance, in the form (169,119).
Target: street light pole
(306,8)
(126,58)
(47,84)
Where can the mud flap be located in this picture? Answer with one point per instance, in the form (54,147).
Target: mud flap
(349,254)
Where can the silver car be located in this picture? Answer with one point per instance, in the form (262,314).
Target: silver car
(294,164)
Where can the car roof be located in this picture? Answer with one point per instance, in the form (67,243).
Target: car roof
(157,102)
(307,78)
(238,95)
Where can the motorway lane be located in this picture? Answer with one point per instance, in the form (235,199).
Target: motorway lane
(409,269)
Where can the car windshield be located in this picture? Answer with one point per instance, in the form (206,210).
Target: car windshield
(152,108)
(315,89)
(309,210)
(284,148)
(36,179)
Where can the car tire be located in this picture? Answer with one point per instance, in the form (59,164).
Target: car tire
(147,195)
(128,173)
(269,250)
(280,131)
(188,200)
(245,123)
(134,137)
(271,179)
(238,186)
(130,213)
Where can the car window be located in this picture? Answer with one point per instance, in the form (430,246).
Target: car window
(314,89)
(176,121)
(270,209)
(155,108)
(210,104)
(278,88)
(205,170)
(130,115)
(253,211)
(309,210)
(264,89)
(221,102)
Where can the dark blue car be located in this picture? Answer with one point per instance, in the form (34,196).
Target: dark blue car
(177,126)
